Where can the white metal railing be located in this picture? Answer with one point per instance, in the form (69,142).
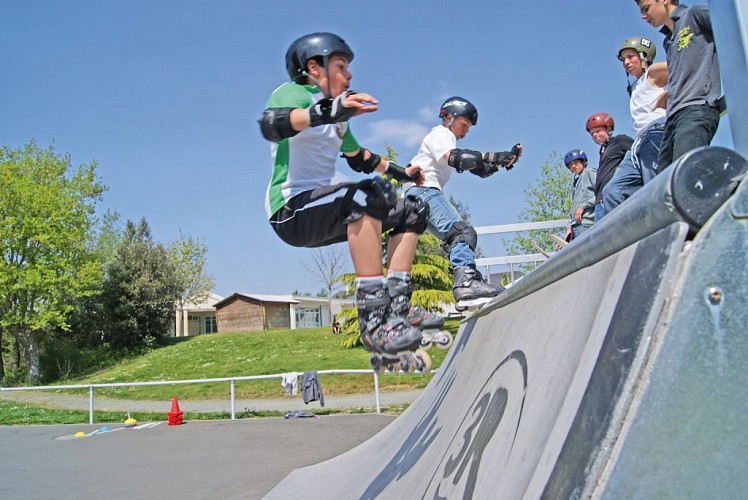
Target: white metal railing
(230,380)
(511,260)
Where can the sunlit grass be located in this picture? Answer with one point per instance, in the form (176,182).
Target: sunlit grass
(248,354)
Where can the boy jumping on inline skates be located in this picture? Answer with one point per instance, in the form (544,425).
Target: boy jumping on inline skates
(306,121)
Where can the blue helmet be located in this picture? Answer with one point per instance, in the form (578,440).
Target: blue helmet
(575,154)
(321,45)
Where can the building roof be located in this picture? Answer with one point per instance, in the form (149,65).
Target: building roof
(206,305)
(257,297)
(263,297)
(279,299)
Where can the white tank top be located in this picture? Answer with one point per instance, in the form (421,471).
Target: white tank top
(643,99)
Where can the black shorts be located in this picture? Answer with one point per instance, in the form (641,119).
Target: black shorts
(320,217)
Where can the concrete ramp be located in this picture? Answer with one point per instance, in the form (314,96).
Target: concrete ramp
(558,388)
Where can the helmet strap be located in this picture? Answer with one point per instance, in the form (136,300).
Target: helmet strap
(629,88)
(316,82)
(327,74)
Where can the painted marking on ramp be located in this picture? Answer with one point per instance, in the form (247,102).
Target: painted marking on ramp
(498,402)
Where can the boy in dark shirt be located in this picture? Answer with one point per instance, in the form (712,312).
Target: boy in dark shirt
(612,150)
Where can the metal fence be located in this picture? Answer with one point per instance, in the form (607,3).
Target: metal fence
(230,380)
(509,261)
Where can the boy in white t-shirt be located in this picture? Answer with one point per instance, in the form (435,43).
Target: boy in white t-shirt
(647,105)
(438,157)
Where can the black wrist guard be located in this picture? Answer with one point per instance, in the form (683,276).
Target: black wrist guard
(486,170)
(398,173)
(275,124)
(327,111)
(500,158)
(505,159)
(358,163)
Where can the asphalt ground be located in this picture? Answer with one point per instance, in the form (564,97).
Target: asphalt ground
(199,459)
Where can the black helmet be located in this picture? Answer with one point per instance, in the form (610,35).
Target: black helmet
(314,45)
(458,106)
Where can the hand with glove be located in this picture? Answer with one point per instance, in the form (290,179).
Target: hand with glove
(411,173)
(341,108)
(505,159)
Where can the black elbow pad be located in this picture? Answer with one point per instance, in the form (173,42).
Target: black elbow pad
(358,163)
(275,124)
(465,159)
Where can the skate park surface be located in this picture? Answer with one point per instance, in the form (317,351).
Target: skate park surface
(204,459)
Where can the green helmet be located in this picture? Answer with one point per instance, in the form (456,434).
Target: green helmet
(643,46)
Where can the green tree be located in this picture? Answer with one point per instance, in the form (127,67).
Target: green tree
(548,198)
(87,322)
(109,233)
(139,293)
(2,354)
(192,282)
(46,214)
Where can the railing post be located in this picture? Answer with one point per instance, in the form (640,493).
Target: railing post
(233,401)
(376,390)
(90,404)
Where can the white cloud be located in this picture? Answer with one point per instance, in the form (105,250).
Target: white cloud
(403,132)
(429,112)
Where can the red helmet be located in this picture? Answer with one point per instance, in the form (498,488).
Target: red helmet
(600,120)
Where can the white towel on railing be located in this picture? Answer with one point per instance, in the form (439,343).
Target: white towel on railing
(289,383)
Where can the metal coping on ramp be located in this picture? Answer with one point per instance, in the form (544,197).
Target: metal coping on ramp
(542,385)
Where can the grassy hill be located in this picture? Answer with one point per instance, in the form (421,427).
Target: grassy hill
(247,354)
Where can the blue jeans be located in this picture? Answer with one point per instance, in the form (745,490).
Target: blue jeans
(646,151)
(689,128)
(637,168)
(442,216)
(578,229)
(599,210)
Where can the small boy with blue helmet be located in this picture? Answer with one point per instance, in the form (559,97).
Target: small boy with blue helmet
(583,193)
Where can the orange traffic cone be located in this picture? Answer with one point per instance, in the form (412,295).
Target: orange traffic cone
(175,415)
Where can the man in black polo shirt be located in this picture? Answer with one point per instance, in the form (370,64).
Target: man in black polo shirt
(693,83)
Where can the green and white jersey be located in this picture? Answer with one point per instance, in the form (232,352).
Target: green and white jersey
(305,161)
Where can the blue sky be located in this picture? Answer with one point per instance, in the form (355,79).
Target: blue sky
(164,95)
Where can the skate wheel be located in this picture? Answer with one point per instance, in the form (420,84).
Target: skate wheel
(375,363)
(425,344)
(423,361)
(445,341)
(406,365)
